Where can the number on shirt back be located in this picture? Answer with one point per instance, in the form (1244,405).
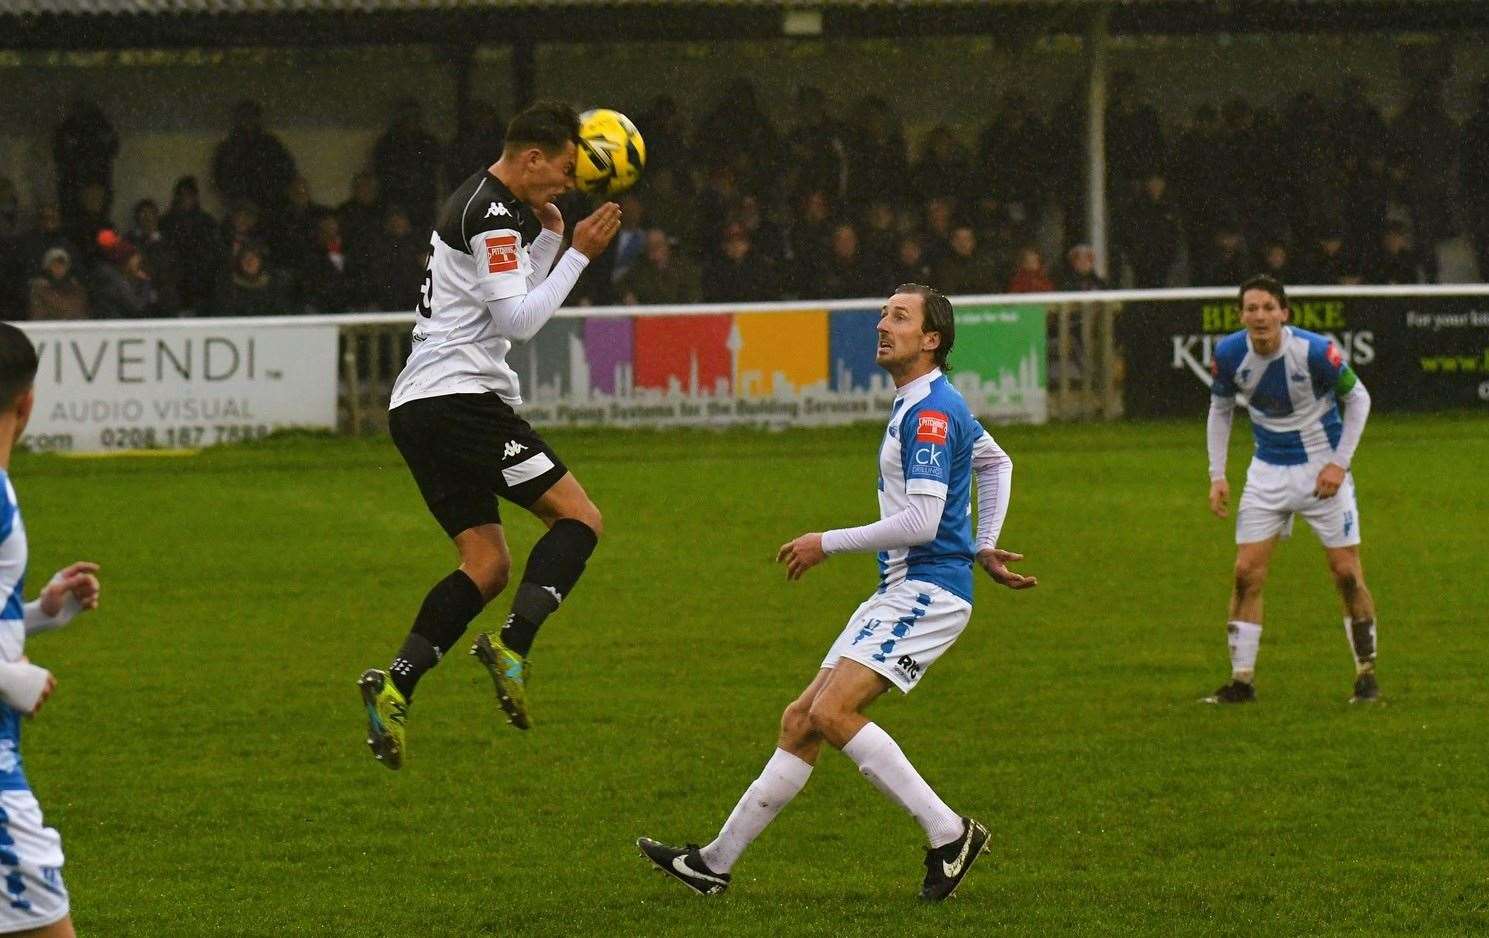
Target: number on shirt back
(426,290)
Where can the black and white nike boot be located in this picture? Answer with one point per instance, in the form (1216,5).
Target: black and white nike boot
(685,865)
(946,866)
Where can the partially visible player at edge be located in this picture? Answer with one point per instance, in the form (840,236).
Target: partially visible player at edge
(35,900)
(930,451)
(489,283)
(1293,382)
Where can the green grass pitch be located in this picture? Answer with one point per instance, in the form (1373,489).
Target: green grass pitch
(204,756)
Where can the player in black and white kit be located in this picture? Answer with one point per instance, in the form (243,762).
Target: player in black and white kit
(451,415)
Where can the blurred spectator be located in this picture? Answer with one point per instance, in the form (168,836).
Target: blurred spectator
(1397,260)
(1224,262)
(935,232)
(249,288)
(1454,258)
(1202,196)
(47,234)
(1013,156)
(15,271)
(1364,203)
(809,238)
(396,260)
(1473,173)
(292,239)
(910,265)
(943,170)
(738,134)
(661,126)
(361,218)
(326,285)
(1151,233)
(767,237)
(121,285)
(406,161)
(714,206)
(876,161)
(1357,124)
(195,238)
(1134,140)
(479,136)
(880,235)
(1029,274)
(1079,273)
(251,164)
(630,240)
(668,205)
(160,260)
(815,153)
(965,270)
(91,217)
(84,148)
(1275,262)
(843,274)
(736,274)
(242,225)
(57,294)
(1327,262)
(661,276)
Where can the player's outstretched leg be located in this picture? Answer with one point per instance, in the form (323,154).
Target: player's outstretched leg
(553,569)
(685,865)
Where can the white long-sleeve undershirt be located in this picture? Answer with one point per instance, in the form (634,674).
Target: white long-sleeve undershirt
(520,317)
(918,522)
(540,256)
(1356,408)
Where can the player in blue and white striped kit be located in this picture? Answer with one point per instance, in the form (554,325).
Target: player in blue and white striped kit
(930,451)
(1292,382)
(33,899)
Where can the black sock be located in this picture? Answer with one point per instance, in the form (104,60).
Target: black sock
(553,568)
(447,610)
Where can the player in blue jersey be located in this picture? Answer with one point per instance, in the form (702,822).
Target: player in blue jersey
(33,899)
(930,451)
(1292,383)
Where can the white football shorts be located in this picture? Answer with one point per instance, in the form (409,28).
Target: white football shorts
(1274,494)
(902,631)
(32,894)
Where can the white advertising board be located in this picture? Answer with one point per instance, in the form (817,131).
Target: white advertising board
(176,384)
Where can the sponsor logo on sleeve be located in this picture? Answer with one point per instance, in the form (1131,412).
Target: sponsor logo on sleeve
(931,428)
(501,254)
(1334,356)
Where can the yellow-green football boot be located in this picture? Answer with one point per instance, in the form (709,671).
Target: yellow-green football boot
(387,710)
(508,672)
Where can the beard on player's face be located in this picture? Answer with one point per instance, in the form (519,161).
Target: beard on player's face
(900,341)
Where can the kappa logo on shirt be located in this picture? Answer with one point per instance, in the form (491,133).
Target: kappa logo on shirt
(501,254)
(931,428)
(512,449)
(497,209)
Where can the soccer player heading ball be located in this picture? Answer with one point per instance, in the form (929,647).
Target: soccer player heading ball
(930,451)
(489,283)
(1293,383)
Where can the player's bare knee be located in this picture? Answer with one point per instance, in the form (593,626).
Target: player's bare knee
(825,717)
(796,726)
(1250,577)
(490,571)
(589,515)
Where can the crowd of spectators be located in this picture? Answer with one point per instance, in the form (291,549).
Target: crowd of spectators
(834,203)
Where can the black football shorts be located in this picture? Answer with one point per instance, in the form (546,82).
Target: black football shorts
(464,450)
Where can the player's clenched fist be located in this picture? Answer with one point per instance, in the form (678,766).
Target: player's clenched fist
(594,234)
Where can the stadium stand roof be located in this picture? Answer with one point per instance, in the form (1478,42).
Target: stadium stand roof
(77,24)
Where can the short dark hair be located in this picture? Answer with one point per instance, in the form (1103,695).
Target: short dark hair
(18,365)
(545,124)
(938,318)
(1264,282)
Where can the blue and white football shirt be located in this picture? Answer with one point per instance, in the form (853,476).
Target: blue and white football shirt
(927,449)
(1292,394)
(12,629)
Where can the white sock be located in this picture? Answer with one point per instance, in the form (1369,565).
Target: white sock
(882,762)
(1244,639)
(1361,642)
(783,776)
